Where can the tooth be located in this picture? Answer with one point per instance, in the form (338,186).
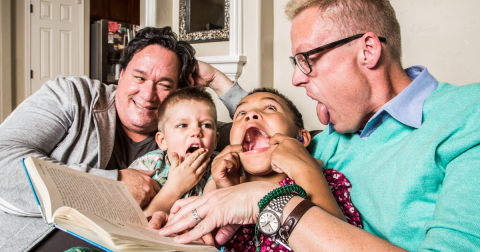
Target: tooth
(263,133)
(247,137)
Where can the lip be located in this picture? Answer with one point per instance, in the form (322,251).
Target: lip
(257,151)
(149,108)
(190,145)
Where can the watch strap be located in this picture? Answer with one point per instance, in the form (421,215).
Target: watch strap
(291,221)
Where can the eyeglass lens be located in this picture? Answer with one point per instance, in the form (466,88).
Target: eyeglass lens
(302,63)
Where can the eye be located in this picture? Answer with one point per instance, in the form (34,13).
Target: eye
(165,86)
(207,125)
(271,107)
(139,78)
(240,113)
(181,126)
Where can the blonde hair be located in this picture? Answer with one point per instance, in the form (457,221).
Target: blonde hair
(356,16)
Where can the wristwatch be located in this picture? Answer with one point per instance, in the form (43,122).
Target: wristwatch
(270,219)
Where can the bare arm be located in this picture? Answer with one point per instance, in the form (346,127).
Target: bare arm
(292,158)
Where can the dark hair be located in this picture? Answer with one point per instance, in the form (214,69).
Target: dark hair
(165,38)
(297,116)
(197,93)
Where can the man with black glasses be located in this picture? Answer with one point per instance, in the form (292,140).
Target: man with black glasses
(409,145)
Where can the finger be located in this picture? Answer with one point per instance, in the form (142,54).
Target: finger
(182,202)
(158,220)
(194,156)
(234,148)
(226,233)
(156,187)
(277,139)
(175,160)
(208,239)
(198,161)
(206,226)
(203,167)
(145,172)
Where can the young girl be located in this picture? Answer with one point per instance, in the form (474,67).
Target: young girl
(258,117)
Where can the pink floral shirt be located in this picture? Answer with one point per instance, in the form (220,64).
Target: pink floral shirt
(244,239)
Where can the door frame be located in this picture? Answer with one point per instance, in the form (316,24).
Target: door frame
(81,44)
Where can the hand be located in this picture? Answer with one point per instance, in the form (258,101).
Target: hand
(217,209)
(291,157)
(226,167)
(183,177)
(159,219)
(140,184)
(208,76)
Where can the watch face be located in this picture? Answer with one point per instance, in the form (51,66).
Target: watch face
(268,222)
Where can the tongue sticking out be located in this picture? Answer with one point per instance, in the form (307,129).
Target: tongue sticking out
(255,139)
(322,113)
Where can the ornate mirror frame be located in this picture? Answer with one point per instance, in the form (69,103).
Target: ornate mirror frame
(203,36)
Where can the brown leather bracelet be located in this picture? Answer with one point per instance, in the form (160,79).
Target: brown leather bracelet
(293,218)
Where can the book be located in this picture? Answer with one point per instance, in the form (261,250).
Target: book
(98,210)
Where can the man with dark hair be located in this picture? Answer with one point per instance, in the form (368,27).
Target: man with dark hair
(94,128)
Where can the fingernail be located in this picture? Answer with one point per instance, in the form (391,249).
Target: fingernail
(161,230)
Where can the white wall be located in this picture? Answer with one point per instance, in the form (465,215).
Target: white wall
(444,36)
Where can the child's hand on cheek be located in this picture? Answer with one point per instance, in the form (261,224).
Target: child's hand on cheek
(226,167)
(291,157)
(183,177)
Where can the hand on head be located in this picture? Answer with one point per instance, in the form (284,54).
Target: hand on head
(140,184)
(208,76)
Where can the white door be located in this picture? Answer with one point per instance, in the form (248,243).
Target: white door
(54,40)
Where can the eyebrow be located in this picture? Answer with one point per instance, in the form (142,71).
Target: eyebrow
(161,79)
(264,98)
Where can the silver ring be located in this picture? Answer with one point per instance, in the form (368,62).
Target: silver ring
(195,216)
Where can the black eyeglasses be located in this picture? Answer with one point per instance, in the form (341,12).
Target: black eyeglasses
(301,59)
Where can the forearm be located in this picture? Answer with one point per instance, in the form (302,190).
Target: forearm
(318,192)
(163,201)
(318,230)
(232,96)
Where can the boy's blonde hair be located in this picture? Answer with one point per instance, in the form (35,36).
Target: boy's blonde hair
(198,94)
(356,16)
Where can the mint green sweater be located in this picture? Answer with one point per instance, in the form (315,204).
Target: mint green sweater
(417,188)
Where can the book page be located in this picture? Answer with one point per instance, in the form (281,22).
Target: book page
(118,235)
(86,192)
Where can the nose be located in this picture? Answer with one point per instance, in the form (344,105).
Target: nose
(252,114)
(148,92)
(299,78)
(196,132)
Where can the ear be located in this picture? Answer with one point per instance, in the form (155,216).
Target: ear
(160,138)
(218,138)
(121,74)
(306,137)
(371,50)
(190,81)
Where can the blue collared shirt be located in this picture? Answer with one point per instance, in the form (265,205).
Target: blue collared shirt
(406,107)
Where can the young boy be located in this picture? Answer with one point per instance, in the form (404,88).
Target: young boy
(186,137)
(258,117)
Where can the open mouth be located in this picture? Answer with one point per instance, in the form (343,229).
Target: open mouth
(192,148)
(255,140)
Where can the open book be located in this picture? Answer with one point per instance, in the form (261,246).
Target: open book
(96,209)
